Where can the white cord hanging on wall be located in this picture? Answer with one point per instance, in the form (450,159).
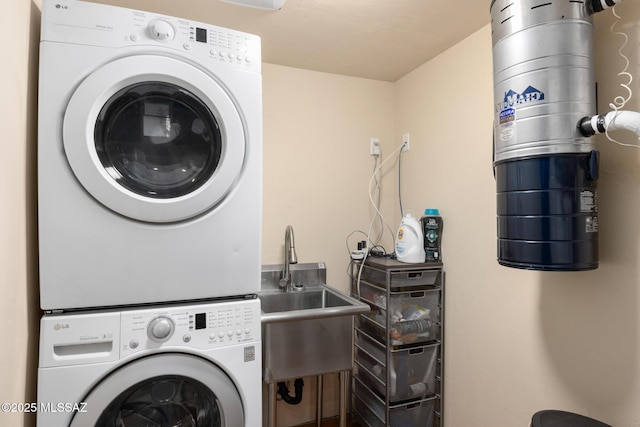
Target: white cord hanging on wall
(258,4)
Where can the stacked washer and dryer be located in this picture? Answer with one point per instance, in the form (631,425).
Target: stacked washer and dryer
(149,180)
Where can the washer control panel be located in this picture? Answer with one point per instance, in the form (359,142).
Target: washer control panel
(198,326)
(94,24)
(111,334)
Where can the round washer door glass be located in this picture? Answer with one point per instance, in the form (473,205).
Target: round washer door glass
(169,400)
(157,140)
(163,390)
(154,138)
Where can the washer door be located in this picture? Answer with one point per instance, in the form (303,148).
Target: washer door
(154,138)
(163,390)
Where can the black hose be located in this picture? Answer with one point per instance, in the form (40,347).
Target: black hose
(283,391)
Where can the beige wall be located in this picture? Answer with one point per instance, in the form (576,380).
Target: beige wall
(519,341)
(317,164)
(18,264)
(316,174)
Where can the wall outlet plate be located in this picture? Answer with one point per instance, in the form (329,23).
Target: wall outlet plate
(374,146)
(406,142)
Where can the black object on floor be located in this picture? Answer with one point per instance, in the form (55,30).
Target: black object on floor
(552,418)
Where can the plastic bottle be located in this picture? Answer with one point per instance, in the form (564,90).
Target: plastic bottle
(432,232)
(412,326)
(409,240)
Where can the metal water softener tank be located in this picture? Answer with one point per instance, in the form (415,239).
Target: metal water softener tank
(546,170)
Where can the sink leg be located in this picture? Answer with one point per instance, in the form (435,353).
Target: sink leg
(343,398)
(319,397)
(271,405)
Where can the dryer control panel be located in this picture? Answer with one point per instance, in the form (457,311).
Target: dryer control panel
(198,326)
(102,25)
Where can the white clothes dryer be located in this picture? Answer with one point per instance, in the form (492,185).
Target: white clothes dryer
(190,365)
(149,158)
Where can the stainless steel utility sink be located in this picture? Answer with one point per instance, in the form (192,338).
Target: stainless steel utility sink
(308,332)
(313,303)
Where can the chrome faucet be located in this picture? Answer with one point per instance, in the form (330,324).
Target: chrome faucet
(290,257)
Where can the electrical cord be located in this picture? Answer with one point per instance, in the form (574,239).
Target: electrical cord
(351,234)
(400,181)
(374,243)
(371,197)
(620,101)
(378,191)
(366,254)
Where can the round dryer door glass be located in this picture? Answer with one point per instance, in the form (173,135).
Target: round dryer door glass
(163,401)
(154,138)
(157,140)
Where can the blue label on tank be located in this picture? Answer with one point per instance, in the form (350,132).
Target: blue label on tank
(513,98)
(507,116)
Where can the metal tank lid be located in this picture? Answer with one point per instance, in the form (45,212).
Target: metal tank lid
(513,16)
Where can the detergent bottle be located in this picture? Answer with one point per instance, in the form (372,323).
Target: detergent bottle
(432,232)
(410,240)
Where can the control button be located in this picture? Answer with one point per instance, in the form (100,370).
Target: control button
(247,331)
(134,37)
(239,332)
(160,329)
(212,336)
(213,52)
(221,53)
(230,333)
(239,57)
(221,334)
(186,338)
(162,30)
(230,55)
(187,46)
(134,344)
(247,59)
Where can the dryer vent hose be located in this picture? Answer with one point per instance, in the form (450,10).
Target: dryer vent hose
(283,391)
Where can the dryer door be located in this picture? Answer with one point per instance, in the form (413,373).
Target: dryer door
(163,390)
(154,138)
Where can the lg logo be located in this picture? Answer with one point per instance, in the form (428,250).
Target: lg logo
(61,6)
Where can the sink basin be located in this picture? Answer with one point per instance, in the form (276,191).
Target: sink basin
(306,333)
(313,303)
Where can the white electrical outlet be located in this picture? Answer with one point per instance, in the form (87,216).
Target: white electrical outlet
(374,146)
(406,142)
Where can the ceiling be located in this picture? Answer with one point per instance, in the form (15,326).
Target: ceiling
(376,39)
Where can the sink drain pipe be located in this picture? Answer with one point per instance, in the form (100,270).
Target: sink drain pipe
(283,391)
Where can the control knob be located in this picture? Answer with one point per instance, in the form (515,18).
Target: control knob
(160,328)
(162,30)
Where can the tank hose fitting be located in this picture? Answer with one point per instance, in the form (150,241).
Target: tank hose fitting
(283,391)
(612,121)
(596,6)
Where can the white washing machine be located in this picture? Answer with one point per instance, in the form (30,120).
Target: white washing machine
(189,365)
(149,158)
